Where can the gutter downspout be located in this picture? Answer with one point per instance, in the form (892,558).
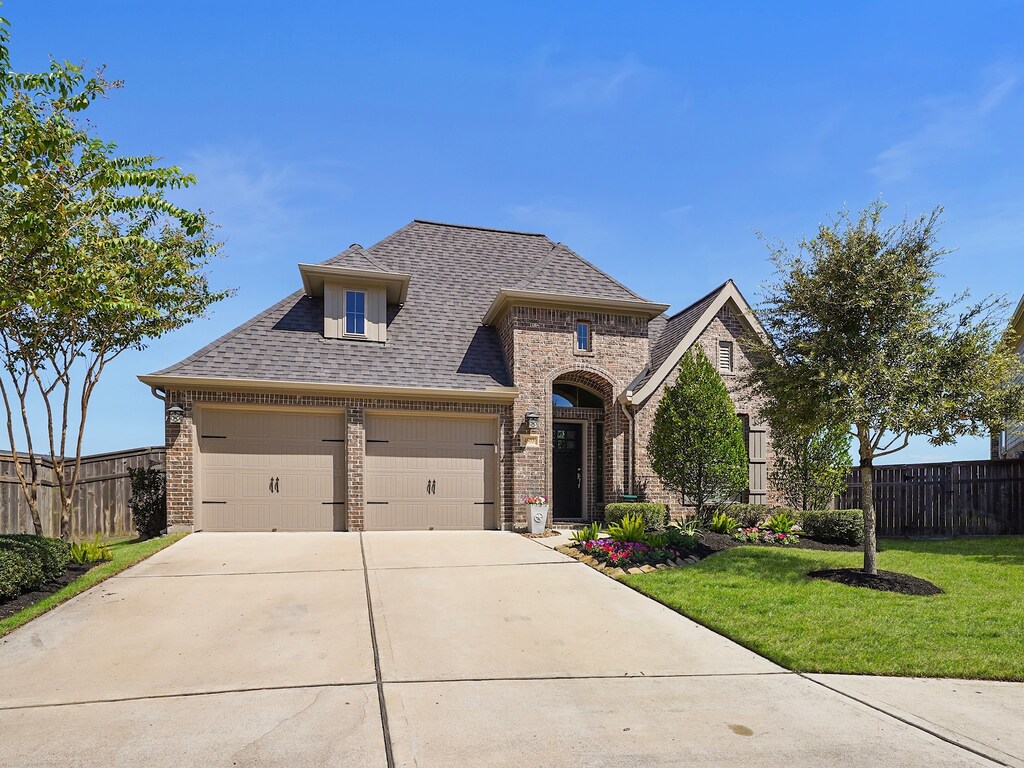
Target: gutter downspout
(623,403)
(153,391)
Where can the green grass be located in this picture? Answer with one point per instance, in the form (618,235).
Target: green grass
(126,552)
(761,597)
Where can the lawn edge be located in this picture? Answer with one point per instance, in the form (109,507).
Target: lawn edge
(802,671)
(25,615)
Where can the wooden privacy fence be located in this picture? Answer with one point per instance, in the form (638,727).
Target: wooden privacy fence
(961,498)
(100,501)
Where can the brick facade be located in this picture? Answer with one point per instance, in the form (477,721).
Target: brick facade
(726,326)
(540,348)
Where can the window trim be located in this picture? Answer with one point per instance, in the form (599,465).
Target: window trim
(732,356)
(361,315)
(589,348)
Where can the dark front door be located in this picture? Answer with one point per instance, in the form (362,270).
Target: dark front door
(567,470)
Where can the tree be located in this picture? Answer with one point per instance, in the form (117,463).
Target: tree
(95,260)
(859,336)
(697,446)
(810,466)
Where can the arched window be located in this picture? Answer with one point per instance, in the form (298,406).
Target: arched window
(573,396)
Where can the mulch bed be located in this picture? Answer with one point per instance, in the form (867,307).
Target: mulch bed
(546,535)
(887,581)
(25,599)
(716,542)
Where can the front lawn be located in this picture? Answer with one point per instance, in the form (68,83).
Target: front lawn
(762,598)
(126,552)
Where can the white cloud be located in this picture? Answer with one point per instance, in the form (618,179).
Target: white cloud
(953,123)
(589,85)
(257,202)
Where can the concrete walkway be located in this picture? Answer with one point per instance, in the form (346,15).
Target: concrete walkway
(427,649)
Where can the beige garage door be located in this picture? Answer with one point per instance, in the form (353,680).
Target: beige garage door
(430,473)
(265,471)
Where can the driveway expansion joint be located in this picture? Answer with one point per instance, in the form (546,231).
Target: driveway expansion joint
(388,748)
(912,722)
(185,695)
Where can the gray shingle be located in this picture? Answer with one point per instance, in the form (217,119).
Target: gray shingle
(434,340)
(666,334)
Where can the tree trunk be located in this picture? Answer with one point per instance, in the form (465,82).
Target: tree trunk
(867,505)
(65,521)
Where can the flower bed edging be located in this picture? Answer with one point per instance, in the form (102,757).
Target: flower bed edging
(615,571)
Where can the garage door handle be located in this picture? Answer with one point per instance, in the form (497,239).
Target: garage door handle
(277,485)
(433,486)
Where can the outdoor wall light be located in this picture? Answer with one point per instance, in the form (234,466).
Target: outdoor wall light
(174,414)
(531,437)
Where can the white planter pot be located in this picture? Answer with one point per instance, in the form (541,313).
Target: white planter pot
(538,517)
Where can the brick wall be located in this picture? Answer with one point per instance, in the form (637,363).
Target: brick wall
(726,326)
(541,347)
(182,445)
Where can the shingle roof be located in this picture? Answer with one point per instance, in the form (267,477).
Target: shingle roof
(435,340)
(665,338)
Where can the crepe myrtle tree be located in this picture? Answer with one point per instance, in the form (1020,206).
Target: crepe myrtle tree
(697,446)
(860,336)
(811,465)
(94,260)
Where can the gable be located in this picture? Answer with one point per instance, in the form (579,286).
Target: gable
(680,333)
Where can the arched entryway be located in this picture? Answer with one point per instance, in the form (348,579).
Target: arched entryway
(582,428)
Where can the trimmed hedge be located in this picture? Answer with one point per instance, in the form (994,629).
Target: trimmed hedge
(834,526)
(27,562)
(654,515)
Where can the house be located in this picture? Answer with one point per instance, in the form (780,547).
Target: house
(1009,444)
(433,380)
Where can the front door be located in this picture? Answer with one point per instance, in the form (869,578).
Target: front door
(567,470)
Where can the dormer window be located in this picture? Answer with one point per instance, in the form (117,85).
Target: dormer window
(355,313)
(583,339)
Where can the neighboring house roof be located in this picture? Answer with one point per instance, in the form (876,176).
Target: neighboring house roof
(1017,321)
(679,334)
(435,340)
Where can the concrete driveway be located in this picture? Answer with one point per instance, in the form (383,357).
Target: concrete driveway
(484,649)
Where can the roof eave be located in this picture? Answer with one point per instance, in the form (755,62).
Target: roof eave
(489,394)
(507,298)
(315,275)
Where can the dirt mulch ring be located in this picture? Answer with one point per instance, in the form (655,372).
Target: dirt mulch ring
(886,581)
(25,599)
(716,542)
(546,535)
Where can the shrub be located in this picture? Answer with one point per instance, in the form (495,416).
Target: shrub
(834,526)
(654,515)
(55,553)
(27,562)
(630,528)
(148,501)
(780,522)
(682,534)
(590,532)
(87,552)
(748,515)
(722,523)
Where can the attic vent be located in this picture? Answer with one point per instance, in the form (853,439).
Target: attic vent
(725,356)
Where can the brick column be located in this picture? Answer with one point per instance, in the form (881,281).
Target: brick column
(355,452)
(178,439)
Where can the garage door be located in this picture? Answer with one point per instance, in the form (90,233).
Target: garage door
(265,471)
(429,473)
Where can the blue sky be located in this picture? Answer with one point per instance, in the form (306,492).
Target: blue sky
(654,139)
